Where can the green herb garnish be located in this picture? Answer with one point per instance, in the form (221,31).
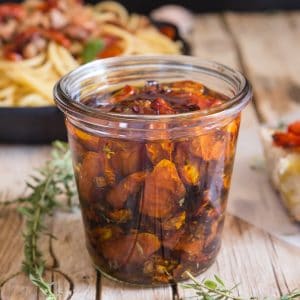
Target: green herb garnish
(48,185)
(91,49)
(215,289)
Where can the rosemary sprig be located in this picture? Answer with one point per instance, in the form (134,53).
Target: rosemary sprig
(215,289)
(52,182)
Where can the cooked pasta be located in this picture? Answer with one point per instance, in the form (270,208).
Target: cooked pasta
(40,41)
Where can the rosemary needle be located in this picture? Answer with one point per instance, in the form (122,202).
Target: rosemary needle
(52,182)
(215,289)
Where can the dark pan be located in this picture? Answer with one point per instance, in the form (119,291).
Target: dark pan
(42,125)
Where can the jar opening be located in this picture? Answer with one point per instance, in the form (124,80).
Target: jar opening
(109,74)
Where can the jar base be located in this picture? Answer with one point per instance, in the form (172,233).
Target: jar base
(149,285)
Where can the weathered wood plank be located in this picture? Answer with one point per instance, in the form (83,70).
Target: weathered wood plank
(115,290)
(286,264)
(72,258)
(11,254)
(17,162)
(18,287)
(11,223)
(210,40)
(270,53)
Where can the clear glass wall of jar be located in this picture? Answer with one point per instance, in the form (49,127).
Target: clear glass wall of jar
(153,189)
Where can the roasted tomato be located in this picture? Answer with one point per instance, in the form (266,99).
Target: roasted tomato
(207,147)
(11,10)
(175,222)
(130,185)
(162,107)
(111,50)
(159,269)
(286,139)
(120,216)
(130,249)
(126,92)
(170,239)
(109,232)
(87,140)
(159,151)
(185,86)
(92,167)
(294,128)
(163,190)
(126,157)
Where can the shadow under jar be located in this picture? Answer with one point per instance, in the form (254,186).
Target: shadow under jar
(153,141)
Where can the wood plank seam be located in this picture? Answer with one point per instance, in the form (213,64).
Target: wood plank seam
(240,60)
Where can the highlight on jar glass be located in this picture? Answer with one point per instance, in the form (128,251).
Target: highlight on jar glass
(153,142)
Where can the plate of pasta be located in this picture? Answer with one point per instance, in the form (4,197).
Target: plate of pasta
(40,41)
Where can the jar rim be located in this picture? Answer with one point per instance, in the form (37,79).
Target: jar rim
(234,105)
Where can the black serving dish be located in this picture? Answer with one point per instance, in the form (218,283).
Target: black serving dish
(42,125)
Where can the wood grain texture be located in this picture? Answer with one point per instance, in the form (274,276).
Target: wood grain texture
(72,257)
(270,47)
(211,40)
(114,290)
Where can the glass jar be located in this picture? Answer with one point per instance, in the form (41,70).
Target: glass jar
(152,188)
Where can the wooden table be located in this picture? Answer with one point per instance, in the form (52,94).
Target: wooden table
(264,46)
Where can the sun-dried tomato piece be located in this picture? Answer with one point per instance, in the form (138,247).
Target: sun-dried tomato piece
(126,92)
(130,249)
(159,269)
(127,157)
(192,249)
(106,233)
(92,166)
(230,137)
(204,101)
(87,140)
(170,239)
(120,216)
(162,107)
(286,139)
(175,222)
(186,86)
(12,10)
(294,128)
(130,185)
(159,151)
(163,190)
(190,172)
(207,147)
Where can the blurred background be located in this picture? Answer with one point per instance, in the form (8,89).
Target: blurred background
(209,6)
